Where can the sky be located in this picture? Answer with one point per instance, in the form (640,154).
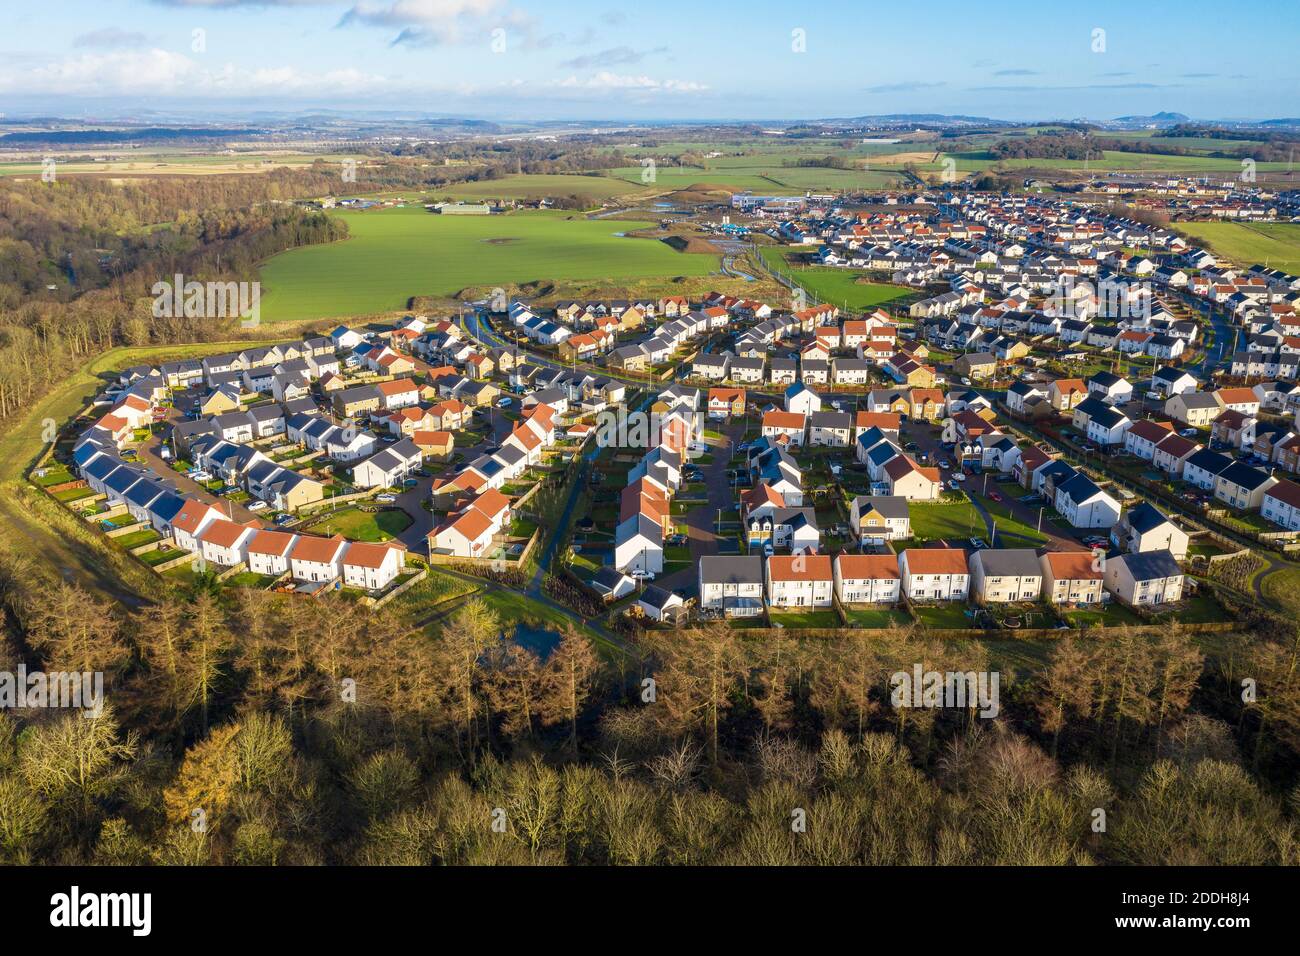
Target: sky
(653,60)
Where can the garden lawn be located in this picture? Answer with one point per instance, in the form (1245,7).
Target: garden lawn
(1113,614)
(867,616)
(950,614)
(812,618)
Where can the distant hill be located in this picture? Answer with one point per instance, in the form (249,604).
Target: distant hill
(934,118)
(86,137)
(1157,119)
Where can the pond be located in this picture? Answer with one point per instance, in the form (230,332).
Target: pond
(541,642)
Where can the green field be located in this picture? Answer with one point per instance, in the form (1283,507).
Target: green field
(539,186)
(837,286)
(760,176)
(945,519)
(1276,245)
(357,525)
(396,253)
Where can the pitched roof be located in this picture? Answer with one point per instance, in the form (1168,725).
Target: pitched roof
(868,566)
(799,567)
(317,549)
(936,561)
(727,569)
(365,554)
(1073,565)
(1288,492)
(270,542)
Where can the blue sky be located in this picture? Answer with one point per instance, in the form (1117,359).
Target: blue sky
(607,59)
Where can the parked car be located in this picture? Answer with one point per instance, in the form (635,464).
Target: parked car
(257,506)
(994,496)
(386,498)
(641,575)
(978,544)
(1189,433)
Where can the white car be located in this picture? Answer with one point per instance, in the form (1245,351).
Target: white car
(643,575)
(257,506)
(386,499)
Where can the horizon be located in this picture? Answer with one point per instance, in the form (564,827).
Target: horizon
(596,62)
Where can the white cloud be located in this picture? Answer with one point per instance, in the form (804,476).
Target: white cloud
(427,22)
(605,80)
(167,73)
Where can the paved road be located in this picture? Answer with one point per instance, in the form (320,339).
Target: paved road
(700,522)
(412,501)
(149,457)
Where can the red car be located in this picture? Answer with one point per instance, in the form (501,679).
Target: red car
(994,496)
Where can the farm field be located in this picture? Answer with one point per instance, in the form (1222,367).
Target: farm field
(759,176)
(1274,244)
(394,254)
(537,186)
(137,166)
(977,161)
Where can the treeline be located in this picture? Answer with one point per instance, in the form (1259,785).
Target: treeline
(823,162)
(256,728)
(1054,145)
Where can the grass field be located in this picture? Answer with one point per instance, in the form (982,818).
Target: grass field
(357,525)
(1282,587)
(1276,245)
(760,175)
(974,161)
(837,286)
(945,519)
(528,186)
(165,164)
(394,254)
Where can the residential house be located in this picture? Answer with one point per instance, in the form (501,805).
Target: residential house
(731,584)
(317,560)
(1006,575)
(1072,577)
(935,574)
(1147,578)
(876,519)
(372,567)
(867,578)
(1144,528)
(803,580)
